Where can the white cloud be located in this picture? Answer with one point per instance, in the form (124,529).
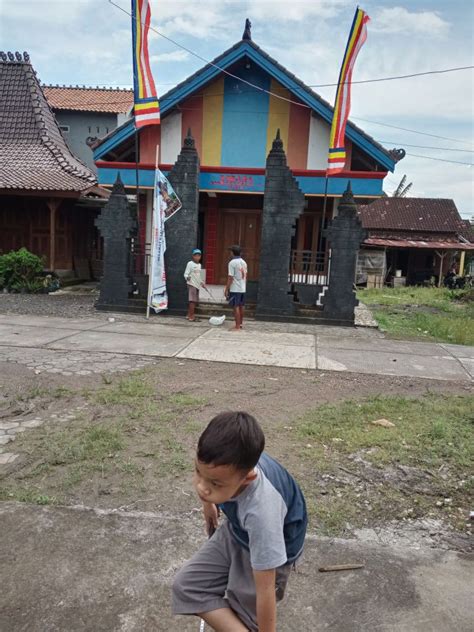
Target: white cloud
(400,20)
(176,55)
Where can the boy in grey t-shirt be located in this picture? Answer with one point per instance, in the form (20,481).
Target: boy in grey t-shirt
(234,581)
(236,286)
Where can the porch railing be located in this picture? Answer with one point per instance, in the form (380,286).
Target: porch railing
(310,267)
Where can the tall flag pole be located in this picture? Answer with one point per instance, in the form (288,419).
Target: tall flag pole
(146,105)
(342,103)
(146,108)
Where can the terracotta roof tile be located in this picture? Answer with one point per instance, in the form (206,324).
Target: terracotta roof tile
(86,99)
(33,153)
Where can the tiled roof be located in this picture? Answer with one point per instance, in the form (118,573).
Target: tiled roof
(33,153)
(423,215)
(84,99)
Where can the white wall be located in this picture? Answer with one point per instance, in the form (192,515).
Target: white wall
(170,138)
(318,143)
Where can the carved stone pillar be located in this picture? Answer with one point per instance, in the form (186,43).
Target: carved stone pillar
(282,205)
(117,224)
(345,234)
(182,228)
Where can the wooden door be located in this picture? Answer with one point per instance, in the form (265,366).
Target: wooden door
(243,228)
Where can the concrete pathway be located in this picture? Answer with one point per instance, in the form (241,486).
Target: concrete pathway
(284,345)
(79,570)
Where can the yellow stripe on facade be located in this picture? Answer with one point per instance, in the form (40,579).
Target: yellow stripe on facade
(213,109)
(278,116)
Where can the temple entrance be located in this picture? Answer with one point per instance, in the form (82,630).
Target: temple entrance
(241,227)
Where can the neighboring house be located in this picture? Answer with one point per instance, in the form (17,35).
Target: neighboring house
(48,198)
(85,114)
(233,126)
(420,237)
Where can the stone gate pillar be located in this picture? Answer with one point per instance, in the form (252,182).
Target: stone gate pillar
(282,205)
(345,234)
(117,224)
(182,228)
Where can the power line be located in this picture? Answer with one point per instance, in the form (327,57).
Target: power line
(456,162)
(405,129)
(391,142)
(392,78)
(207,61)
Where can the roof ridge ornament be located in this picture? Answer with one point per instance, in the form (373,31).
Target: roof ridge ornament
(247,35)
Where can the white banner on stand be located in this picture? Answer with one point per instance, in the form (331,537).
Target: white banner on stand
(165,204)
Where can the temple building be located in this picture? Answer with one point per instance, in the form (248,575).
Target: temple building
(233,125)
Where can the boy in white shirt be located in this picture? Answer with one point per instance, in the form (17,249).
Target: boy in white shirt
(192,274)
(236,286)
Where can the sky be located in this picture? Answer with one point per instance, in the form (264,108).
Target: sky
(88,42)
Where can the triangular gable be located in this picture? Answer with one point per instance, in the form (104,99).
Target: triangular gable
(280,80)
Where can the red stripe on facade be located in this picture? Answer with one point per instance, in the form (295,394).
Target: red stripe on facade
(191,110)
(308,173)
(210,239)
(298,136)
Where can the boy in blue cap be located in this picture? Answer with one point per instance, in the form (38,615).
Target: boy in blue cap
(192,274)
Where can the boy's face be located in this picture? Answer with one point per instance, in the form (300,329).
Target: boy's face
(219,483)
(196,258)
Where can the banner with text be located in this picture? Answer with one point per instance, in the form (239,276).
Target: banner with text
(165,204)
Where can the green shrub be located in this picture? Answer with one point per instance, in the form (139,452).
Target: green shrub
(20,269)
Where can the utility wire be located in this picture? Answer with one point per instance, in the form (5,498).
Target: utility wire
(415,74)
(405,129)
(207,61)
(278,96)
(393,143)
(456,162)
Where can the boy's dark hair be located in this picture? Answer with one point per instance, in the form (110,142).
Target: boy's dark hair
(235,250)
(233,438)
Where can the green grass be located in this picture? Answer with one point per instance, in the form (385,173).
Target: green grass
(431,431)
(423,313)
(351,468)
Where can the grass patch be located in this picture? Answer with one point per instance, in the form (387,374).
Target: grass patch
(360,473)
(423,313)
(432,431)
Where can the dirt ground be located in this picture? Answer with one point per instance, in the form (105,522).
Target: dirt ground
(127,441)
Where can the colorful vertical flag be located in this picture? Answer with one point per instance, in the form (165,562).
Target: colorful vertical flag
(165,204)
(146,106)
(342,104)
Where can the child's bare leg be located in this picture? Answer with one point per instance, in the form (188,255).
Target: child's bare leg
(236,318)
(224,620)
(241,308)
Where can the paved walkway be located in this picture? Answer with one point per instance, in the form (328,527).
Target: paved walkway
(79,570)
(284,345)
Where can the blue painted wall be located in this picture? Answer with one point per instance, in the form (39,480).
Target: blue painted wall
(245,117)
(79,126)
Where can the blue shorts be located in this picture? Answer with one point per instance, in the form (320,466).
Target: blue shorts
(237,299)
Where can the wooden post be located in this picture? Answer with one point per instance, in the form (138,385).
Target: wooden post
(53,205)
(441,256)
(461,263)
